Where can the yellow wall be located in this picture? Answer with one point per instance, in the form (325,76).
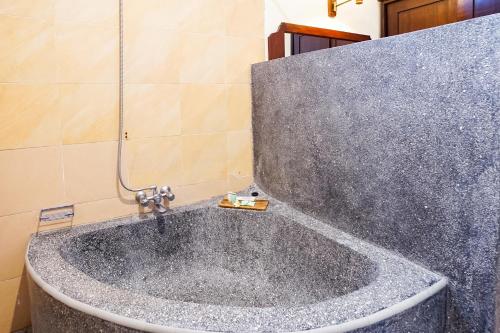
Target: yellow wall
(187,110)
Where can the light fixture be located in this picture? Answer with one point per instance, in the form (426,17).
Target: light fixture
(332,6)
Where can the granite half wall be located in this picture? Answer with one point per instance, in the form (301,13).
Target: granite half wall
(395,141)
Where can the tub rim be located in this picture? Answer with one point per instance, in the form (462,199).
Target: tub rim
(155,328)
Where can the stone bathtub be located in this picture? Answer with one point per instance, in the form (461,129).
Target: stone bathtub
(203,268)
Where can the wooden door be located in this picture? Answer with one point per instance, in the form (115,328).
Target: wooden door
(401,16)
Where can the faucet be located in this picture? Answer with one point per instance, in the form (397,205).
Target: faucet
(156,198)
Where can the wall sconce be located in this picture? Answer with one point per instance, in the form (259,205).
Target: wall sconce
(333,4)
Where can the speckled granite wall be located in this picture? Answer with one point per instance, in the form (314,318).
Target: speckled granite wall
(396,141)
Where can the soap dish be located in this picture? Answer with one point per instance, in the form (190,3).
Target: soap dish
(260,204)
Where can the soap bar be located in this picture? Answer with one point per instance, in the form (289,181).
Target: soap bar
(246,198)
(247,203)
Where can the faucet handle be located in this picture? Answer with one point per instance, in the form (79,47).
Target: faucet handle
(166,192)
(142,198)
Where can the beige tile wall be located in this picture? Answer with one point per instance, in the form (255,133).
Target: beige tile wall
(187,111)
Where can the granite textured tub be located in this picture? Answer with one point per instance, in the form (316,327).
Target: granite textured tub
(202,268)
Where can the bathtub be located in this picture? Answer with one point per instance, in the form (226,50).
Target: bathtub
(201,268)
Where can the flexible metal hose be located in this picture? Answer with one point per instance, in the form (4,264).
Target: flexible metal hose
(120,107)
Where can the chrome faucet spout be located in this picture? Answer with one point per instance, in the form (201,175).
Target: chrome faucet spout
(159,208)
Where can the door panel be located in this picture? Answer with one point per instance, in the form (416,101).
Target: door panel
(401,16)
(302,43)
(423,17)
(486,7)
(341,42)
(412,15)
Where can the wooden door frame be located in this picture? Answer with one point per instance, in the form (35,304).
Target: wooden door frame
(276,40)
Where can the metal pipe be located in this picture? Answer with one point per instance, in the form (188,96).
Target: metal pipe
(120,107)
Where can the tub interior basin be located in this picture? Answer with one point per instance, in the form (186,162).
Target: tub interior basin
(221,257)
